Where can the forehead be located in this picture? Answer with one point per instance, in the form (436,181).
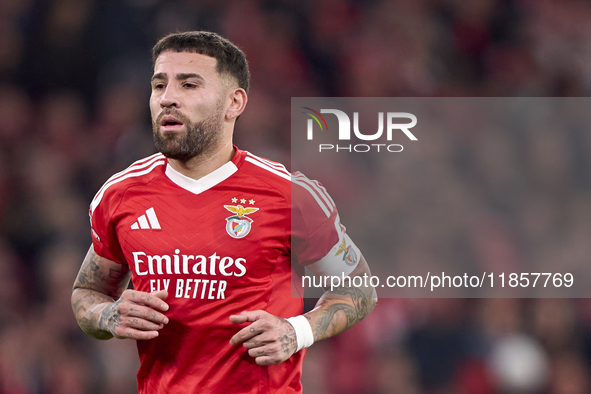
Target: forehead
(171,63)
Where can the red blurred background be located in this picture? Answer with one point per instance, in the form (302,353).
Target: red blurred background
(74,86)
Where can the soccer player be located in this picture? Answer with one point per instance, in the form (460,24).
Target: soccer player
(204,231)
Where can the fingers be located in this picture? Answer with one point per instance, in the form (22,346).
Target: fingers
(264,338)
(132,333)
(162,294)
(137,315)
(248,316)
(138,322)
(267,361)
(248,332)
(134,310)
(245,334)
(269,339)
(267,355)
(134,326)
(153,300)
(237,319)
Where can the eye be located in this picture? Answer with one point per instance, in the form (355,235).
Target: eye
(189,85)
(158,86)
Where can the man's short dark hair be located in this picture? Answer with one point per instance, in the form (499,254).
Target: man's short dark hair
(230,58)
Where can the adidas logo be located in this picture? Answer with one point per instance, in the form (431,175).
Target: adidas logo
(151,222)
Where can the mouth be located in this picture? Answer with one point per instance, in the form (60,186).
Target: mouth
(170,123)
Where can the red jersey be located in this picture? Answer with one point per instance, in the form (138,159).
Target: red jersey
(219,245)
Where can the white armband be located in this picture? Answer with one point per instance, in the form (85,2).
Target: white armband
(341,260)
(303,330)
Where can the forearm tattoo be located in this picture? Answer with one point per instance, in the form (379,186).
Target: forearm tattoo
(96,284)
(342,308)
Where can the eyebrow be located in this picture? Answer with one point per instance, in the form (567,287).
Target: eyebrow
(179,77)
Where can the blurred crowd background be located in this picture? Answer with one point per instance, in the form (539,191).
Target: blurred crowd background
(74,88)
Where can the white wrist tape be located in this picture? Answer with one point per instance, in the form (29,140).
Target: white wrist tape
(303,330)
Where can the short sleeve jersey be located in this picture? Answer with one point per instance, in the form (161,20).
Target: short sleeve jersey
(219,245)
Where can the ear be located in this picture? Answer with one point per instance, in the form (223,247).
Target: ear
(238,100)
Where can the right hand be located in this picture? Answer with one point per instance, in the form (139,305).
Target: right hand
(135,315)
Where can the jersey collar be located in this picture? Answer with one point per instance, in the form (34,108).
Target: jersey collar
(208,181)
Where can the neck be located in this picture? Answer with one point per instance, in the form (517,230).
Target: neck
(204,164)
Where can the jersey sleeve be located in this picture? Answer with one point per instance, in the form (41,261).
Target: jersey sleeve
(319,240)
(103,229)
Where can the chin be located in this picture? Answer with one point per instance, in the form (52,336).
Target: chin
(176,135)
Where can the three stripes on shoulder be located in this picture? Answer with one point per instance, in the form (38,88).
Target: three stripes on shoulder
(147,221)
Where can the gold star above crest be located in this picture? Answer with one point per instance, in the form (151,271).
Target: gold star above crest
(251,202)
(243,200)
(234,200)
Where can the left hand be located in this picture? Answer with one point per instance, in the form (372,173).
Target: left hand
(269,339)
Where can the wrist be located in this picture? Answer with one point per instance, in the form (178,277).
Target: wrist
(104,317)
(303,331)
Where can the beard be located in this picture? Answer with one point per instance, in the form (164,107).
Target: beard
(201,137)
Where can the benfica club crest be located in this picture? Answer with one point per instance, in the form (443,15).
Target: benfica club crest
(350,257)
(238,226)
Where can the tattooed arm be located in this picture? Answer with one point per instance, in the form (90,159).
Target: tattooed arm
(104,309)
(272,340)
(343,307)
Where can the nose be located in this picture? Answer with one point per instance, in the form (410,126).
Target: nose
(169,97)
